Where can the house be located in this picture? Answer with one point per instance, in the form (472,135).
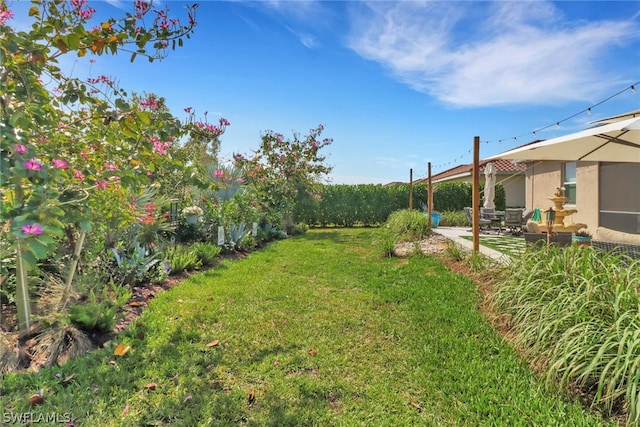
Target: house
(508,173)
(603,193)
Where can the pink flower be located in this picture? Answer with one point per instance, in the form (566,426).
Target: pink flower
(218,174)
(21,148)
(149,173)
(159,146)
(32,229)
(84,154)
(5,15)
(102,184)
(33,164)
(111,166)
(59,164)
(188,109)
(149,103)
(79,175)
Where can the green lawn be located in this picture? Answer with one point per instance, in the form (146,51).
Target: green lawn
(320,331)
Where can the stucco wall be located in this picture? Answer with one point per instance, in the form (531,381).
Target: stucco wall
(543,178)
(513,189)
(587,194)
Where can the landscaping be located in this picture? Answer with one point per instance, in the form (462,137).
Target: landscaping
(316,329)
(147,281)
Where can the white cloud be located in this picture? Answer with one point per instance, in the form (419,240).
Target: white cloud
(308,40)
(477,54)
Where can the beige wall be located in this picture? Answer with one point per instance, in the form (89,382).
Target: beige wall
(543,178)
(513,189)
(587,186)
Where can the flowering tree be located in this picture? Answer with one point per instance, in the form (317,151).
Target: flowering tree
(282,170)
(62,138)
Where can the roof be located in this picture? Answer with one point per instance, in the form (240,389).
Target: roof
(501,166)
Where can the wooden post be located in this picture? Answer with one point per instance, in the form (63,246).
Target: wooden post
(430,189)
(475,195)
(410,189)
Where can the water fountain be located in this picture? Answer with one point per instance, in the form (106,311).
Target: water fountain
(559,200)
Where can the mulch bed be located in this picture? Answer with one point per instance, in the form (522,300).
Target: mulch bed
(130,312)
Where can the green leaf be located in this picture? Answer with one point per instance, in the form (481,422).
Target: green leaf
(34,11)
(85,226)
(122,105)
(133,56)
(57,211)
(37,249)
(144,116)
(44,239)
(28,260)
(73,41)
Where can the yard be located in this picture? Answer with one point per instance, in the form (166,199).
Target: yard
(312,330)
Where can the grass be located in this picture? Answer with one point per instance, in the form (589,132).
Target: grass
(313,330)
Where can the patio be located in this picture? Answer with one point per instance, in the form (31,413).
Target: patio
(496,246)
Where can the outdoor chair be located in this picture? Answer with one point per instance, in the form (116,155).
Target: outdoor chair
(514,220)
(527,214)
(495,217)
(485,224)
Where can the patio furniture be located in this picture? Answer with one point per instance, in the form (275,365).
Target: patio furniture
(514,220)
(496,218)
(616,242)
(485,224)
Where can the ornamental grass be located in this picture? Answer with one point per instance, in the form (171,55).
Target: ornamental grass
(576,313)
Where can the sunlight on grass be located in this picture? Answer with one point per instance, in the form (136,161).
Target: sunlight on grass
(314,330)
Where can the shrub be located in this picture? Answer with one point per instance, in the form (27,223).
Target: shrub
(206,252)
(385,242)
(181,258)
(134,266)
(576,313)
(409,225)
(99,314)
(453,219)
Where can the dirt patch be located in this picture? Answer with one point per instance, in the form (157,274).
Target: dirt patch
(431,245)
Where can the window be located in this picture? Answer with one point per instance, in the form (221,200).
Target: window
(569,181)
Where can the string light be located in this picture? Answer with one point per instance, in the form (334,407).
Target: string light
(588,111)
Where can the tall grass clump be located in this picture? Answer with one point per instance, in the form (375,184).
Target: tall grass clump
(576,313)
(453,219)
(409,225)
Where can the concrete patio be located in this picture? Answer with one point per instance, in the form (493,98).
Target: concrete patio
(458,234)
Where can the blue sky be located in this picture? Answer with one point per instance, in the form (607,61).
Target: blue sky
(395,84)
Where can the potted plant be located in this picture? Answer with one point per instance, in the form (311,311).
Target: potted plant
(435,216)
(192,214)
(582,238)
